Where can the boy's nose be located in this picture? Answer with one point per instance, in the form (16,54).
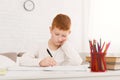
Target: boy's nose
(60,39)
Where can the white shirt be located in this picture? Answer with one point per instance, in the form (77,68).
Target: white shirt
(64,56)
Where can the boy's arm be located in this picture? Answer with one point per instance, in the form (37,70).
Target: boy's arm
(36,60)
(72,56)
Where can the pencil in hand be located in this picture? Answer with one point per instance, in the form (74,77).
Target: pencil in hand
(49,53)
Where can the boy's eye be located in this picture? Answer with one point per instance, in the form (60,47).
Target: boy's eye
(57,34)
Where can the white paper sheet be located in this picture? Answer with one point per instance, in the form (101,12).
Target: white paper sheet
(68,68)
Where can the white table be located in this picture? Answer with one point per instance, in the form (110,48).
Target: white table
(61,75)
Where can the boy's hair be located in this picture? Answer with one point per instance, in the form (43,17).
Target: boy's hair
(62,22)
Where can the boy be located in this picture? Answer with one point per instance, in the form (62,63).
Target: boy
(57,51)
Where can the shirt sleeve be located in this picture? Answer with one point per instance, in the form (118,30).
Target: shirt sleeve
(29,60)
(72,56)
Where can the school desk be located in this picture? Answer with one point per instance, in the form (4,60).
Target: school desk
(60,75)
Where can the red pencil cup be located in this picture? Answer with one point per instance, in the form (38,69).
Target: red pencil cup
(98,63)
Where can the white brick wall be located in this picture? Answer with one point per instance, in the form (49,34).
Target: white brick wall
(22,31)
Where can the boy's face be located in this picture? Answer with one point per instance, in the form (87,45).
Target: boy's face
(58,36)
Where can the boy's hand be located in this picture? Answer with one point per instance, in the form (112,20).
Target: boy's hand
(48,61)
